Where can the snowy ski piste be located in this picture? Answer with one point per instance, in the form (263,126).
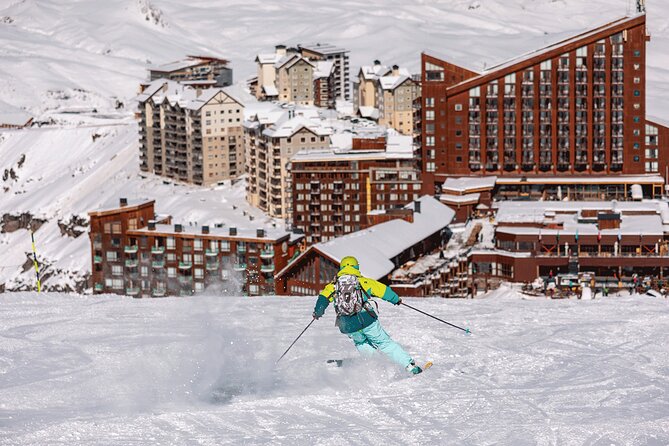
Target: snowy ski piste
(110,370)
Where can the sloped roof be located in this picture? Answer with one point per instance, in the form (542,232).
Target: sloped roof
(374,247)
(392,82)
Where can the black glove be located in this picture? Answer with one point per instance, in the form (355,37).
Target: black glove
(316,316)
(399,301)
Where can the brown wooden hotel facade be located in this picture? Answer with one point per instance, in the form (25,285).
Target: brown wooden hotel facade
(575,108)
(336,193)
(135,253)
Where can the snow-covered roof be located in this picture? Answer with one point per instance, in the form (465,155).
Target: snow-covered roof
(270,90)
(162,90)
(271,234)
(392,82)
(460,199)
(465,184)
(514,212)
(659,121)
(373,72)
(323,48)
(190,61)
(293,125)
(267,58)
(323,68)
(397,144)
(375,247)
(291,59)
(369,112)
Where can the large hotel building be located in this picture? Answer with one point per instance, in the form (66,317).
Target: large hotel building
(573,112)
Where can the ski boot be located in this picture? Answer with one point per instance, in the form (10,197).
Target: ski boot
(413,368)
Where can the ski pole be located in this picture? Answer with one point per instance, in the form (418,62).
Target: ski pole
(466,330)
(291,345)
(39,283)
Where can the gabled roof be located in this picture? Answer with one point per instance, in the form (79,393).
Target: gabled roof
(323,48)
(188,62)
(392,82)
(376,246)
(323,68)
(290,60)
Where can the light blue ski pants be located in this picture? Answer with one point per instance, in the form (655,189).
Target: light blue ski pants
(373,338)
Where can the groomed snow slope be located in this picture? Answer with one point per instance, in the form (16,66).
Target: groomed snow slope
(118,371)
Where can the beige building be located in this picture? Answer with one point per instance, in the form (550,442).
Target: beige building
(194,136)
(287,75)
(386,95)
(272,137)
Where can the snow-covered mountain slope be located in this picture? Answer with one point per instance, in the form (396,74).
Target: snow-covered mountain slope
(57,175)
(107,370)
(90,51)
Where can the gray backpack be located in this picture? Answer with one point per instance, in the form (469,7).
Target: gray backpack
(348,298)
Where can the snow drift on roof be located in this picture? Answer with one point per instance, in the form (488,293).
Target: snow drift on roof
(375,247)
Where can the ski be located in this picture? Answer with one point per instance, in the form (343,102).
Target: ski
(427,365)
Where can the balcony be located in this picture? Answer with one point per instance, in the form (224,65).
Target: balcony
(185,279)
(267,253)
(97,259)
(157,250)
(158,292)
(131,263)
(211,252)
(185,265)
(132,291)
(131,249)
(158,264)
(99,287)
(239,266)
(267,268)
(212,266)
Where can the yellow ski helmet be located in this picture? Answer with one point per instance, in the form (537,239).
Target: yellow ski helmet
(349,261)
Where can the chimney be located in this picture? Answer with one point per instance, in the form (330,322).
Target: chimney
(377,62)
(260,233)
(123,202)
(152,225)
(396,70)
(233,231)
(280,50)
(205,229)
(416,207)
(178,228)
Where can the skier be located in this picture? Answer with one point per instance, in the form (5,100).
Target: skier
(351,294)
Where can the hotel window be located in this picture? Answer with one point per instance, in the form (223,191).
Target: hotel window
(117,270)
(112,256)
(117,284)
(429,141)
(199,273)
(199,286)
(430,167)
(433,72)
(171,243)
(458,107)
(651,166)
(199,259)
(429,102)
(171,271)
(197,245)
(651,154)
(144,271)
(429,115)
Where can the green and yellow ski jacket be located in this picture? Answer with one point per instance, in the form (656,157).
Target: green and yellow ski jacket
(351,324)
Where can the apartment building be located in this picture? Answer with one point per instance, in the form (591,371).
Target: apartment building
(338,57)
(191,135)
(272,137)
(203,69)
(136,253)
(386,95)
(299,76)
(338,191)
(571,111)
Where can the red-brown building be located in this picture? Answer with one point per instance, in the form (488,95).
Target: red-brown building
(611,241)
(138,254)
(336,192)
(576,108)
(380,249)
